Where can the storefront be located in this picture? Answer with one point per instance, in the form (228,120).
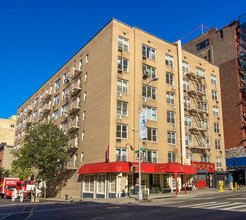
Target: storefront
(118,179)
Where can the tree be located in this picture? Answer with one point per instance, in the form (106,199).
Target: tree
(4,172)
(42,154)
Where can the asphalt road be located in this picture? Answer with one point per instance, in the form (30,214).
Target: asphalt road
(224,206)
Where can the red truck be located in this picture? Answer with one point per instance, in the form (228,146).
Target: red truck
(7,186)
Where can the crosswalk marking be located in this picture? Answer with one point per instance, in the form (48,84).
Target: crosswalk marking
(235,207)
(226,206)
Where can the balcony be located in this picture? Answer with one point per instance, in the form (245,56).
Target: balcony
(194,76)
(198,92)
(73,107)
(46,108)
(73,127)
(27,111)
(73,145)
(201,146)
(74,88)
(70,165)
(198,129)
(47,96)
(76,72)
(195,111)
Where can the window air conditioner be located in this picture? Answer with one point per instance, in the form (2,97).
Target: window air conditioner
(119,94)
(144,99)
(118,117)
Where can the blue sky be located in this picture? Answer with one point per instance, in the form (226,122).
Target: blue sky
(37,37)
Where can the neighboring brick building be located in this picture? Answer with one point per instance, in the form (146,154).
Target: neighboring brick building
(7,135)
(97,95)
(221,47)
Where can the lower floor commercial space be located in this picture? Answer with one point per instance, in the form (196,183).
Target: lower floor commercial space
(118,179)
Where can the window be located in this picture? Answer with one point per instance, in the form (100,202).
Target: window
(172,157)
(188,140)
(56,100)
(205,142)
(187,103)
(57,84)
(84,96)
(150,156)
(123,43)
(203,106)
(202,45)
(205,159)
(122,64)
(186,84)
(202,89)
(113,182)
(63,125)
(121,154)
(217,128)
(217,144)
(83,115)
(171,137)
(188,121)
(214,95)
(101,183)
(185,67)
(20,124)
(83,136)
(82,157)
(85,77)
(200,72)
(65,77)
(149,92)
(148,52)
(122,86)
(89,183)
(35,104)
(214,80)
(55,115)
(65,94)
(121,131)
(169,60)
(122,108)
(216,111)
(202,123)
(151,112)
(171,117)
(152,134)
(219,162)
(149,71)
(170,98)
(63,110)
(87,58)
(190,157)
(35,115)
(170,79)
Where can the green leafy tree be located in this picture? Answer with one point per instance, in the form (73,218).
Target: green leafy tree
(4,172)
(42,154)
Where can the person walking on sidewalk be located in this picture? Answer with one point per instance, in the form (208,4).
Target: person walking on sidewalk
(194,184)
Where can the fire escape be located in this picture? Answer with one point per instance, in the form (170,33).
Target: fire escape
(72,114)
(198,110)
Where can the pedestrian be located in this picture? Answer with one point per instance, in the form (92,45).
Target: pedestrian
(194,184)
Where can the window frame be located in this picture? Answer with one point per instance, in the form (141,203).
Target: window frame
(147,89)
(153,111)
(172,135)
(172,159)
(121,131)
(148,52)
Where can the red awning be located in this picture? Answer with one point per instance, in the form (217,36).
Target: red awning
(125,167)
(110,167)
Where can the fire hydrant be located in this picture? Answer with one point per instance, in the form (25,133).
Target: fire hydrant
(221,186)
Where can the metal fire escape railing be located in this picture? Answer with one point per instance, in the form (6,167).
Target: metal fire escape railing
(196,93)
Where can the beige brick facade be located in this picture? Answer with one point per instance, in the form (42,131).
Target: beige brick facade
(95,114)
(7,134)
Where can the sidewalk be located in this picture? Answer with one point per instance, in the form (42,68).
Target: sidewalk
(151,197)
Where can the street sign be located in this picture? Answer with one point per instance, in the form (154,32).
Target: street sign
(142,148)
(137,151)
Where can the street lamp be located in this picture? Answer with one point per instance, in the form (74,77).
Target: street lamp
(140,193)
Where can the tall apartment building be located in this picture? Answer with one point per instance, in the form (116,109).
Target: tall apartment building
(225,47)
(7,135)
(97,95)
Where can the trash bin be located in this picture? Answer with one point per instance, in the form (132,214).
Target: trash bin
(145,194)
(66,196)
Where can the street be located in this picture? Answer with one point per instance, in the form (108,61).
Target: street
(219,206)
